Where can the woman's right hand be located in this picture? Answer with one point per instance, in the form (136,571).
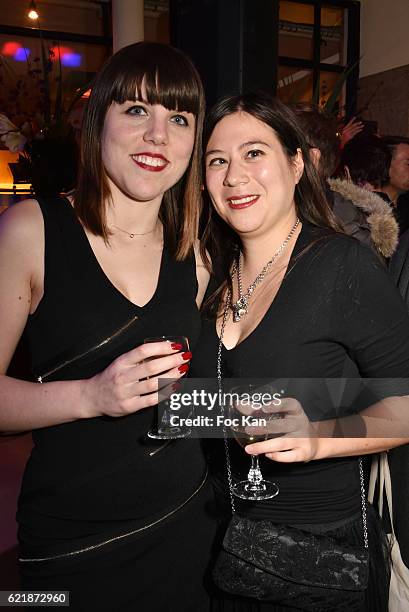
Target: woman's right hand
(130,383)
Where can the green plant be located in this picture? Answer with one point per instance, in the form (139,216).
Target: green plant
(330,103)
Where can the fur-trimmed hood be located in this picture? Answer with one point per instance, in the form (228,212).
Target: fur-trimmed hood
(383,227)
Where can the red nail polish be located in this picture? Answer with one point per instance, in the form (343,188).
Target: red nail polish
(176,386)
(183,368)
(175,346)
(186,356)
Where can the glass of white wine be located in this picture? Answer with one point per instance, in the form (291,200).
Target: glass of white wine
(241,411)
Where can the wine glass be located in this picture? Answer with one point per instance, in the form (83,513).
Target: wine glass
(248,423)
(163,430)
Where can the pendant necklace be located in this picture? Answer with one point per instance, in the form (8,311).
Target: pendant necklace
(133,234)
(241,306)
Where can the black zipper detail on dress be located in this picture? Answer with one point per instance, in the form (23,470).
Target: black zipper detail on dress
(100,344)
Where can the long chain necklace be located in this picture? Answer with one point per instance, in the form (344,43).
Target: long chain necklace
(241,307)
(131,235)
(227,306)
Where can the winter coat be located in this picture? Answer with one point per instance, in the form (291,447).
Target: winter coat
(365,215)
(399,267)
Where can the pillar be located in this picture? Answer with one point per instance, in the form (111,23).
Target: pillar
(127,22)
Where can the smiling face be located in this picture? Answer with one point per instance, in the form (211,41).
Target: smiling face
(249,178)
(146,148)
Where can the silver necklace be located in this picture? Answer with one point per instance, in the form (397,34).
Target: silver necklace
(131,235)
(227,306)
(241,307)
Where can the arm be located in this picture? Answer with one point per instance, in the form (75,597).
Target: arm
(370,321)
(116,391)
(290,450)
(349,447)
(303,440)
(287,449)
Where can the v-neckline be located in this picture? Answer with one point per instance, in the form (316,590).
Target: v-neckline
(297,248)
(107,281)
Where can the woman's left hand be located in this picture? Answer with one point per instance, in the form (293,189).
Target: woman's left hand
(285,449)
(350,130)
(295,438)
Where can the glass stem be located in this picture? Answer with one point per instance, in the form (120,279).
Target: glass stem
(254,476)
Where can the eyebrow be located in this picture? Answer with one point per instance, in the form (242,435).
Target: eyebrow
(147,103)
(242,146)
(135,100)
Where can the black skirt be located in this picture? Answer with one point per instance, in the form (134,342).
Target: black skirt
(162,570)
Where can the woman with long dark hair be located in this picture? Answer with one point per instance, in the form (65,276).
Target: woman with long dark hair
(120,524)
(294,299)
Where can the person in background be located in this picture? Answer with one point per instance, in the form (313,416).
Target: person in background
(120,524)
(364,164)
(363,169)
(396,187)
(365,161)
(321,133)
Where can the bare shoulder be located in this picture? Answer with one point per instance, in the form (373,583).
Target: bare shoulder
(22,241)
(202,274)
(21,221)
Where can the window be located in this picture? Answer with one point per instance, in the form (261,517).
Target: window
(317,42)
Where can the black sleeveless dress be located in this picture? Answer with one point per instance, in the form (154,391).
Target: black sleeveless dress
(120,524)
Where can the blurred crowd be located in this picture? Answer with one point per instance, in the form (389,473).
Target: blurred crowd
(366,177)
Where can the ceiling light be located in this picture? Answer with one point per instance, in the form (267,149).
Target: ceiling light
(32,11)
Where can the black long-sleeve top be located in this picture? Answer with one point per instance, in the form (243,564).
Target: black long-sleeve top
(337,314)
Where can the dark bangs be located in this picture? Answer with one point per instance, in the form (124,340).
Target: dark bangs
(169,79)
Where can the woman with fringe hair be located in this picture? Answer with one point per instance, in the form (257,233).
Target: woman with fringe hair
(119,523)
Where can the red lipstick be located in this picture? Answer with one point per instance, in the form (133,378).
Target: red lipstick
(153,162)
(244,201)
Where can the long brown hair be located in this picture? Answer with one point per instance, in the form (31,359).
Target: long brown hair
(169,79)
(218,241)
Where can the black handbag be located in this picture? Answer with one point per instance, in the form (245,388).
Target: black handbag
(292,567)
(287,565)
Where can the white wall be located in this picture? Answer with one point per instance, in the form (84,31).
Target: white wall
(384,35)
